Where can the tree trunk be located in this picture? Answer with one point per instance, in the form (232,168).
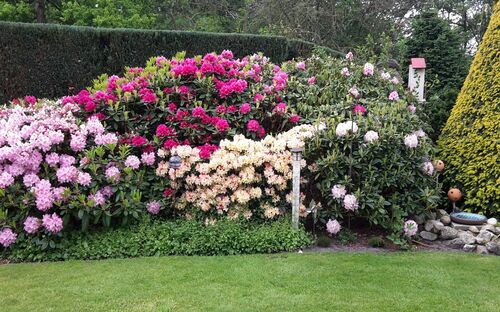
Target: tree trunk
(40,11)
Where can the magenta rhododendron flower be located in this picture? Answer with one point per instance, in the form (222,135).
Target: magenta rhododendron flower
(294,118)
(253,125)
(359,109)
(52,223)
(280,108)
(168,192)
(222,125)
(139,141)
(7,237)
(30,99)
(245,108)
(164,131)
(258,97)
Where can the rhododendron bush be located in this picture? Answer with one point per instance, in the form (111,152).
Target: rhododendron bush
(100,157)
(374,160)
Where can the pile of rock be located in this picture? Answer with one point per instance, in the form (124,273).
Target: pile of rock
(483,239)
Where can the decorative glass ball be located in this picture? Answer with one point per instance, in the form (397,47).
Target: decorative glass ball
(454,194)
(174,162)
(438,165)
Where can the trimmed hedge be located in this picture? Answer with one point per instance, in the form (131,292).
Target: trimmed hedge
(156,238)
(470,139)
(47,60)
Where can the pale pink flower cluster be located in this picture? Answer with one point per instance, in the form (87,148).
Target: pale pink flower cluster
(7,237)
(368,69)
(350,202)
(333,226)
(52,223)
(371,136)
(428,168)
(32,224)
(132,162)
(394,96)
(153,207)
(345,72)
(411,140)
(410,228)
(338,191)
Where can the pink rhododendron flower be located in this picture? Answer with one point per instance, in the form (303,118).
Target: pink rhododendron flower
(253,125)
(198,112)
(311,80)
(245,108)
(84,179)
(52,223)
(345,72)
(113,174)
(30,99)
(132,162)
(153,207)
(349,56)
(258,97)
(43,194)
(338,191)
(148,158)
(7,237)
(32,224)
(300,65)
(6,180)
(333,226)
(394,96)
(354,92)
(227,54)
(412,108)
(368,69)
(66,160)
(30,179)
(67,174)
(410,228)
(350,202)
(52,159)
(164,131)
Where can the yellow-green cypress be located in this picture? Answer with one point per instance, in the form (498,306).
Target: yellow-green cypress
(470,140)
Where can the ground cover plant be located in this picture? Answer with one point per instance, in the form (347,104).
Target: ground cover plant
(421,281)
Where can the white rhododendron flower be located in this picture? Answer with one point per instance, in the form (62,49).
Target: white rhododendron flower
(333,227)
(338,191)
(411,140)
(371,136)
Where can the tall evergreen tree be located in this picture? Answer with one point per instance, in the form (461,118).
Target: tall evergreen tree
(434,39)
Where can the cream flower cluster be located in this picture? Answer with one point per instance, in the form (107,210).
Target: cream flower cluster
(241,178)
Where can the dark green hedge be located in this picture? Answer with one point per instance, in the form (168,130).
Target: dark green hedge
(53,60)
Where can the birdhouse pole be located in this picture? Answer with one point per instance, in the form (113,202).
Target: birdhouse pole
(416,77)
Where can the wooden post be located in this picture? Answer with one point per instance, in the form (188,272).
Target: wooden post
(296,159)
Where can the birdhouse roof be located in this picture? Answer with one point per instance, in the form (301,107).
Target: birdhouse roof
(418,62)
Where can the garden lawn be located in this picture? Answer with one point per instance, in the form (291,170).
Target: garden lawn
(421,281)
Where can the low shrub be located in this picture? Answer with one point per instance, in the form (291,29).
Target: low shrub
(324,241)
(155,238)
(376,241)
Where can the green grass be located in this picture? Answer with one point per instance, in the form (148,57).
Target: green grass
(421,281)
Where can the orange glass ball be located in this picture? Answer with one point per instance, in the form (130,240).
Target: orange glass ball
(439,165)
(454,194)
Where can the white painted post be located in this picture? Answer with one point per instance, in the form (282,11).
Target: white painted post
(297,156)
(416,77)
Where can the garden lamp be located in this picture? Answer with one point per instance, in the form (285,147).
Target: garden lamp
(175,161)
(296,157)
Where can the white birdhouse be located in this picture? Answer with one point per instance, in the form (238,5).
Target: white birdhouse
(416,77)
